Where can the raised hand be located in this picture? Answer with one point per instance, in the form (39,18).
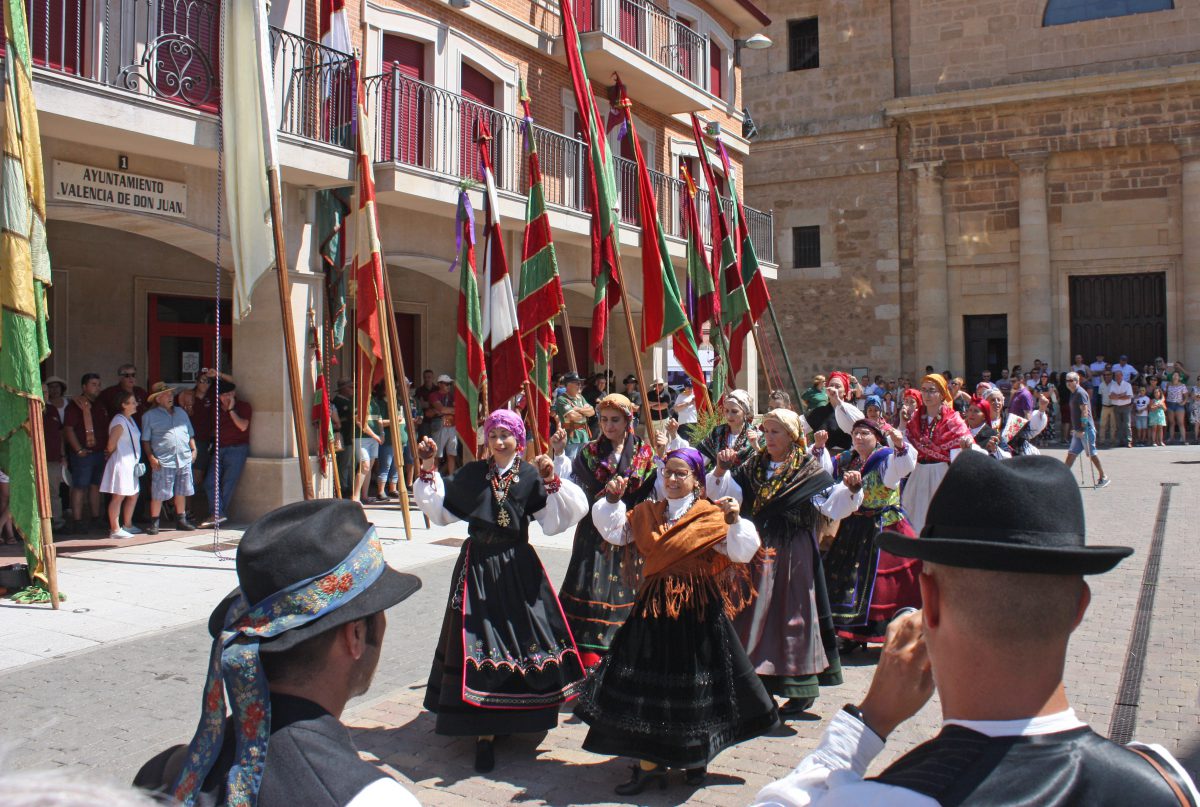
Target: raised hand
(897,439)
(820,438)
(966,442)
(558,442)
(852,480)
(426,449)
(992,444)
(660,443)
(615,488)
(672,427)
(727,459)
(903,680)
(730,507)
(545,466)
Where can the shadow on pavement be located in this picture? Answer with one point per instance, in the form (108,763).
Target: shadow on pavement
(1188,754)
(522,762)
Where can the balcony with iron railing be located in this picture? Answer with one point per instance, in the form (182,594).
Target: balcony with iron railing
(431,130)
(169,51)
(659,54)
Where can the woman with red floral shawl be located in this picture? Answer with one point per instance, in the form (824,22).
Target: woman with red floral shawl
(936,430)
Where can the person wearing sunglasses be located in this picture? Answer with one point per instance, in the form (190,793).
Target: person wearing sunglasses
(126,383)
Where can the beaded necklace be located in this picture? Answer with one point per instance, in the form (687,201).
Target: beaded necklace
(501,482)
(669,522)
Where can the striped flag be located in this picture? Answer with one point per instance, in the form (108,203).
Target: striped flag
(734,306)
(662,311)
(699,271)
(602,188)
(470,374)
(320,416)
(541,294)
(368,271)
(24,277)
(501,331)
(335,26)
(752,276)
(248,130)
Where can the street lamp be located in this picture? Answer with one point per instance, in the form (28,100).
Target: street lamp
(759,41)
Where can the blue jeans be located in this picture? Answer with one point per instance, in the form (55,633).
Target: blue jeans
(389,472)
(233,460)
(1087,444)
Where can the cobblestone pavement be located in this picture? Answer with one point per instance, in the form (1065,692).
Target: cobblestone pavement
(110,707)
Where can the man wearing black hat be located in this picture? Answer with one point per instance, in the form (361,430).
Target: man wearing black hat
(299,637)
(1003,589)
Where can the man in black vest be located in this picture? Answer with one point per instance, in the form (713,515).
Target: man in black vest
(299,638)
(1003,589)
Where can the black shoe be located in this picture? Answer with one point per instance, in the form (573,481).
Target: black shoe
(485,756)
(848,646)
(641,780)
(695,777)
(796,706)
(152,527)
(182,523)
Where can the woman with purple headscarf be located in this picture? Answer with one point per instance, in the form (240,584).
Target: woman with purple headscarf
(506,659)
(676,687)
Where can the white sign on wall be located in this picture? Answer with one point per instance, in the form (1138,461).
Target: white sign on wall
(118,189)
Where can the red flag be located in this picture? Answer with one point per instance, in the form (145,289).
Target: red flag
(662,310)
(470,374)
(602,188)
(321,417)
(501,331)
(368,273)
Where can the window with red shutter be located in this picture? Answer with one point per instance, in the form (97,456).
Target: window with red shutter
(716,69)
(55,33)
(402,138)
(478,102)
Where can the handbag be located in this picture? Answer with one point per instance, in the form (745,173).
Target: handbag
(139,470)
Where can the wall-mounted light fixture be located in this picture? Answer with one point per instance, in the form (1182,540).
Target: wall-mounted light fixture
(758,41)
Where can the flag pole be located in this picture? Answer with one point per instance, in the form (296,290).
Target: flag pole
(633,344)
(566,323)
(386,323)
(327,365)
(41,483)
(289,337)
(787,360)
(409,471)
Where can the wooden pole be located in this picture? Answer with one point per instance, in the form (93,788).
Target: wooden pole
(566,323)
(762,359)
(787,361)
(408,471)
(386,324)
(637,353)
(289,336)
(327,365)
(41,484)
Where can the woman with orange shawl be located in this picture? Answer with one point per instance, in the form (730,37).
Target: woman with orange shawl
(936,430)
(676,687)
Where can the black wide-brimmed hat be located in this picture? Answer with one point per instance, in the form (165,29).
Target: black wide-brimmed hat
(300,541)
(1019,515)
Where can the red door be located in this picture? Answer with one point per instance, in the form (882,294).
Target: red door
(716,69)
(478,104)
(56,33)
(402,139)
(580,338)
(179,73)
(182,338)
(633,24)
(684,61)
(406,331)
(585,15)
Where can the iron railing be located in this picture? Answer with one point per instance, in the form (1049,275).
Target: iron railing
(314,89)
(168,49)
(650,30)
(430,128)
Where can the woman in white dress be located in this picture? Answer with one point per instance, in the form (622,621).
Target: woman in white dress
(124,452)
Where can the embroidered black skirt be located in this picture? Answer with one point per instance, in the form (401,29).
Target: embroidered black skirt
(675,692)
(503,623)
(598,590)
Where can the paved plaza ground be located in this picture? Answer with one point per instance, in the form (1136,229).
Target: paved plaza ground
(115,675)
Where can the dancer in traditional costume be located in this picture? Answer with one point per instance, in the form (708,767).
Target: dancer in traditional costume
(983,434)
(937,432)
(506,659)
(792,499)
(676,687)
(601,581)
(1018,433)
(737,432)
(868,585)
(837,416)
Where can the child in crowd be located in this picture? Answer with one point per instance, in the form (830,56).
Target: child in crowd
(1158,416)
(1141,415)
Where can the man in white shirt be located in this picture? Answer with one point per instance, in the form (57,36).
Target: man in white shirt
(1120,400)
(1108,420)
(999,610)
(1128,371)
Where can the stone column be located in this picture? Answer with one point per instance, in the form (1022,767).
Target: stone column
(1189,154)
(933,280)
(1033,337)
